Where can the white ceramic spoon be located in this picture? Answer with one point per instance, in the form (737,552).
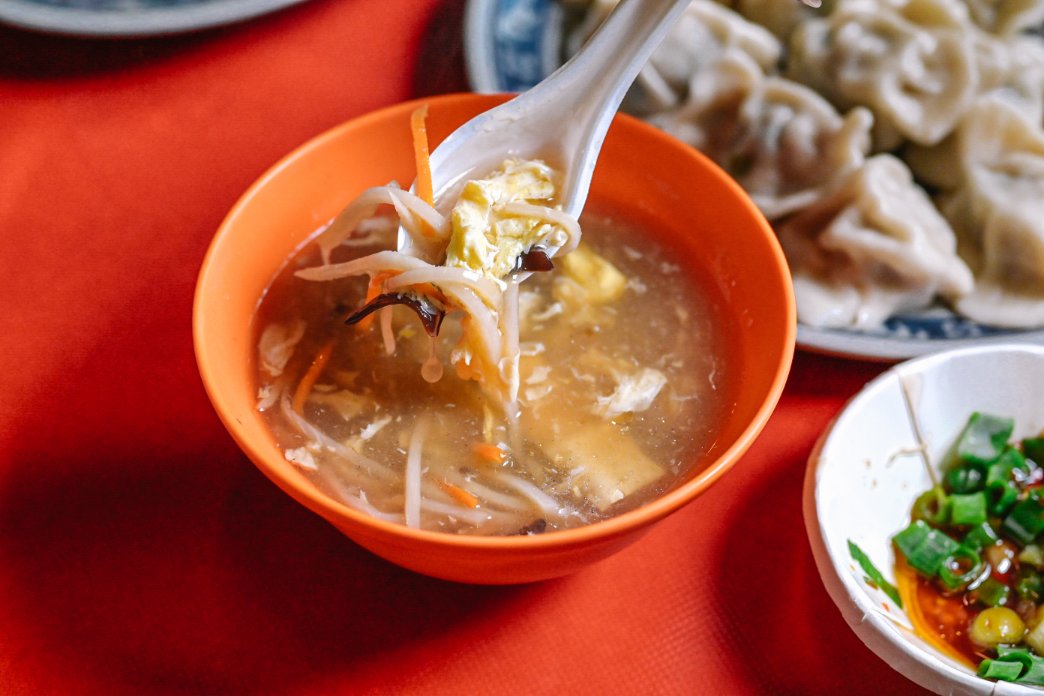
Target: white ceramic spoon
(562,120)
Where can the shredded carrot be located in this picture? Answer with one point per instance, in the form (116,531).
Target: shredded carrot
(906,583)
(459,494)
(491,453)
(420,153)
(372,291)
(304,387)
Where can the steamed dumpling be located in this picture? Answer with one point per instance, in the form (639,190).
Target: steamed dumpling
(781,18)
(704,33)
(909,61)
(1007,16)
(1012,71)
(955,87)
(998,214)
(874,246)
(1012,68)
(782,142)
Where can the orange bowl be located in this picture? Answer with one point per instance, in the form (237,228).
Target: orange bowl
(659,184)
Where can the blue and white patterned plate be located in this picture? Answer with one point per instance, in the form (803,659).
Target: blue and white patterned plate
(510,45)
(131,17)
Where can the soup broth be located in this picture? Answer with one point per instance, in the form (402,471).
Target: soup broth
(621,384)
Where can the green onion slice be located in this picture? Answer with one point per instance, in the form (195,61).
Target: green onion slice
(959,568)
(967,478)
(984,437)
(968,509)
(1033,448)
(1029,584)
(932,506)
(1014,664)
(924,548)
(1000,669)
(874,576)
(1025,521)
(1010,653)
(992,593)
(980,536)
(999,471)
(1035,673)
(1000,497)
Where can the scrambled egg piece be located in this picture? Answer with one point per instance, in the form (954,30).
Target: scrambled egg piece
(634,388)
(588,279)
(485,238)
(635,392)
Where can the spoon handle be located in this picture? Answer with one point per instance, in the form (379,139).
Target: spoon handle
(597,78)
(564,118)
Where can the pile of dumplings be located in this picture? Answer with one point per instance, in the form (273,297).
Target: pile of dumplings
(896,146)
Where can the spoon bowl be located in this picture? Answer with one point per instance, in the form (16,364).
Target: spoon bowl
(562,120)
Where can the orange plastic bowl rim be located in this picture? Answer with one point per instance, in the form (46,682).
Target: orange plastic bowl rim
(665,186)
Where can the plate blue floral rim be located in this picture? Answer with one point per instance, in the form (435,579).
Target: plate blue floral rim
(510,45)
(127,18)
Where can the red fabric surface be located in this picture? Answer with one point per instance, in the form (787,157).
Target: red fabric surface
(141,553)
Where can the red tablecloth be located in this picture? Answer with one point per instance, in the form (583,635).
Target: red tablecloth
(141,553)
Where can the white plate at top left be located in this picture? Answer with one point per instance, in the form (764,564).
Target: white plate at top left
(125,18)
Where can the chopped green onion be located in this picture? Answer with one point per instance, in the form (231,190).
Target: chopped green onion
(1026,662)
(1001,488)
(1029,584)
(983,437)
(1011,652)
(964,479)
(1013,459)
(925,548)
(966,509)
(980,536)
(1033,448)
(992,593)
(932,506)
(1025,521)
(988,492)
(1000,497)
(1035,674)
(1000,469)
(1000,669)
(959,568)
(874,576)
(1031,667)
